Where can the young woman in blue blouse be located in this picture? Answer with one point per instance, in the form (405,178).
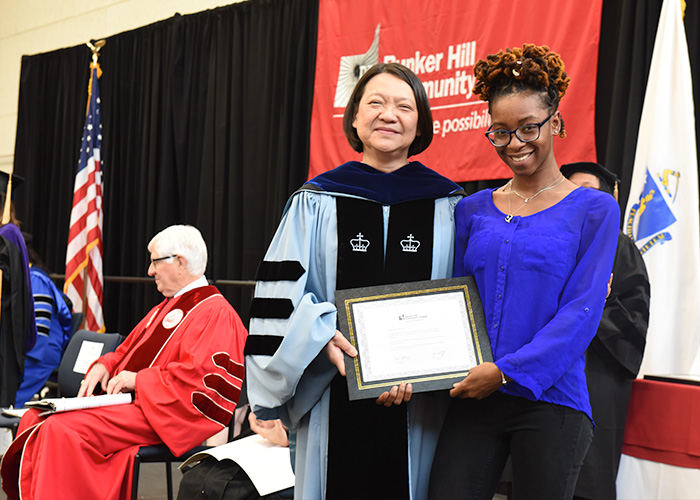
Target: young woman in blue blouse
(541,251)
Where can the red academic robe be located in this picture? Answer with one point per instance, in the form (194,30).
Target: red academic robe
(189,363)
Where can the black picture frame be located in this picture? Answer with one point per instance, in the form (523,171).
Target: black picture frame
(360,386)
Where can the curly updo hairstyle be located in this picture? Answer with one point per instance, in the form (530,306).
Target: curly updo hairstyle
(532,67)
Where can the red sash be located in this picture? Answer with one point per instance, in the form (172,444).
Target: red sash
(178,309)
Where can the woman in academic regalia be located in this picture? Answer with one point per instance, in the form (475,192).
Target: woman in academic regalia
(344,229)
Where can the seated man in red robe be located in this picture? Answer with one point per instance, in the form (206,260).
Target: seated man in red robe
(184,364)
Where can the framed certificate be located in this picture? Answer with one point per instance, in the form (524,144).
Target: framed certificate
(427,333)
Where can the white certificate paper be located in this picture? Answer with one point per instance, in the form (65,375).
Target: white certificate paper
(427,333)
(413,336)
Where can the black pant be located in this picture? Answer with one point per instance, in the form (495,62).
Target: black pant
(546,442)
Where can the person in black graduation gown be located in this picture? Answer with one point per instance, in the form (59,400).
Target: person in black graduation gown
(17,324)
(615,354)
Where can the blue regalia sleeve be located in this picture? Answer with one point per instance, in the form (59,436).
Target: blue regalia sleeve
(293,314)
(43,303)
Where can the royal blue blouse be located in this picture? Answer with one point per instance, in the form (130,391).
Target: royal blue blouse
(543,281)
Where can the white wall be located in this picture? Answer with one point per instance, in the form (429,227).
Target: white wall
(35,26)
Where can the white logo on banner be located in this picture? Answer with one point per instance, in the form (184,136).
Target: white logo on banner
(352,68)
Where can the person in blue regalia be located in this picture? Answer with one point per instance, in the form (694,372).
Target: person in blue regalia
(541,250)
(54,325)
(343,229)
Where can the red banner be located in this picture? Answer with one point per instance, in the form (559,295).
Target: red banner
(440,41)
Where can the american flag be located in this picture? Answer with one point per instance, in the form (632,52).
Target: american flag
(84,254)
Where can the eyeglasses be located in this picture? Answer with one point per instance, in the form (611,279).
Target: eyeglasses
(156,261)
(525,133)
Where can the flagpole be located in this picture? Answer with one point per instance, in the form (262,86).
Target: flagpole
(95,48)
(84,249)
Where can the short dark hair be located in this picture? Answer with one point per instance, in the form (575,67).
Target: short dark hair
(425,117)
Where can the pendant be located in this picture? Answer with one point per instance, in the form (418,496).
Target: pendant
(509,218)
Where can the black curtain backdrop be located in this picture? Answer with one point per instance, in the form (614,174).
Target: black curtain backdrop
(206,121)
(628,30)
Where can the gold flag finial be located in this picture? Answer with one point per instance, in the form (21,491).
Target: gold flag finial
(683,6)
(95,46)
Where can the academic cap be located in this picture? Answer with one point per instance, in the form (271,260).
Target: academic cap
(608,180)
(5,177)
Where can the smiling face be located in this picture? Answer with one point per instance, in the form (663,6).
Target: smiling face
(509,112)
(386,122)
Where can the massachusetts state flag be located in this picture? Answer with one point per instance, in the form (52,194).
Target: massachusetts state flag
(84,254)
(662,210)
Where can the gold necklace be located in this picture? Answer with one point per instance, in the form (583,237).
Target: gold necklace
(509,217)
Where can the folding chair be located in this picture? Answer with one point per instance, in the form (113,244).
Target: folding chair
(159,453)
(69,373)
(82,350)
(8,422)
(51,385)
(77,320)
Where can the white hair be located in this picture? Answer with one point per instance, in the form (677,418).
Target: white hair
(182,240)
